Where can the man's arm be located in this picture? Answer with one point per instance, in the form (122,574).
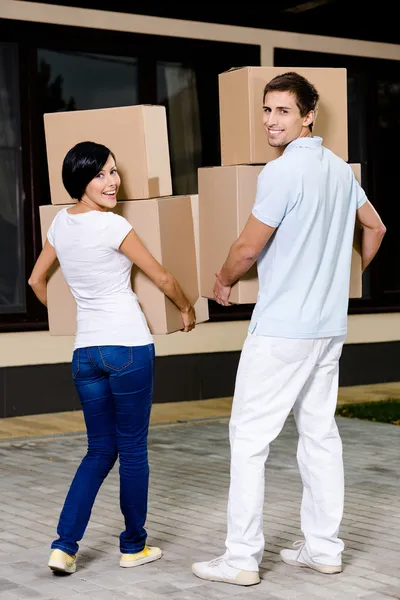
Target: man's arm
(373,231)
(242,255)
(245,251)
(275,189)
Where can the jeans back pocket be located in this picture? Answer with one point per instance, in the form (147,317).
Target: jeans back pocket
(116,358)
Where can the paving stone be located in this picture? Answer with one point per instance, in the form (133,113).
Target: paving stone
(391,591)
(387,579)
(27,592)
(187,518)
(378,596)
(8,595)
(6,585)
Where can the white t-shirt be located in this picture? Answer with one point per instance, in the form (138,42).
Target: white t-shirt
(311,196)
(99,277)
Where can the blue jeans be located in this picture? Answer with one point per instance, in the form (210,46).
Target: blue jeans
(115,387)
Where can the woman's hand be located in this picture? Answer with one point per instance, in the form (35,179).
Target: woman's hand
(189,319)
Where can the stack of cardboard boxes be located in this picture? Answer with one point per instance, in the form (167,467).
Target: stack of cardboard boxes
(189,235)
(166,224)
(227,192)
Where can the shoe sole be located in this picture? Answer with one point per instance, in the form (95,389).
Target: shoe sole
(326,569)
(61,568)
(252,580)
(141,561)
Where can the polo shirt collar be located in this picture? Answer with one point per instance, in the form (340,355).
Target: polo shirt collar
(313,143)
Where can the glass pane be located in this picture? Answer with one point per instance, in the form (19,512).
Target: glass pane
(82,81)
(356,117)
(12,268)
(366,276)
(177,90)
(386,171)
(357,137)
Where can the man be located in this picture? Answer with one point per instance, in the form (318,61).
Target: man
(301,233)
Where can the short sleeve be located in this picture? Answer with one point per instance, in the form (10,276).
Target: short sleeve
(50,233)
(357,192)
(118,230)
(274,191)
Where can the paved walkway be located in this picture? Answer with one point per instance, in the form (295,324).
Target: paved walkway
(172,412)
(189,484)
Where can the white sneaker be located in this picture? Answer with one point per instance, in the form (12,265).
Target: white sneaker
(300,558)
(219,570)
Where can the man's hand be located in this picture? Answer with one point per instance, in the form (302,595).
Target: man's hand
(242,256)
(221,291)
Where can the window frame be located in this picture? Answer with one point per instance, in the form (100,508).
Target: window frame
(147,49)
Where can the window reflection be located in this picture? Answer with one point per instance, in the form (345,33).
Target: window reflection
(12,273)
(82,81)
(177,90)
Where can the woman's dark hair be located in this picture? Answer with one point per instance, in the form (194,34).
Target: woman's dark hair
(305,93)
(81,164)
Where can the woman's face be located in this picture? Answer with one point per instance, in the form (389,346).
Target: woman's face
(103,189)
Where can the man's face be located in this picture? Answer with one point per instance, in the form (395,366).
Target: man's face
(282,120)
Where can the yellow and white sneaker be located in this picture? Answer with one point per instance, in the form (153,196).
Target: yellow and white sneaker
(148,554)
(62,562)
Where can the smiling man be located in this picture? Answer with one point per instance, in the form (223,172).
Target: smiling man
(300,233)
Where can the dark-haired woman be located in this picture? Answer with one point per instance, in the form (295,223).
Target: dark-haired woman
(112,364)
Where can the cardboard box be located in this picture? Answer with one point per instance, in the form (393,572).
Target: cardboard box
(226,199)
(201,306)
(243,137)
(137,135)
(165,226)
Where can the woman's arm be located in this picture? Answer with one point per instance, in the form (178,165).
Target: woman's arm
(38,278)
(135,250)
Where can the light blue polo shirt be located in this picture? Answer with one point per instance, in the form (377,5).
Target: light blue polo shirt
(311,196)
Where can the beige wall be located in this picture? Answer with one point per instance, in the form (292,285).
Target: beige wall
(265,38)
(33,348)
(40,347)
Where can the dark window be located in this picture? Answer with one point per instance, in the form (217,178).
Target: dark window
(386,183)
(177,90)
(12,275)
(80,81)
(65,68)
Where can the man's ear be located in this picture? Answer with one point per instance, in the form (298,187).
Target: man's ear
(309,118)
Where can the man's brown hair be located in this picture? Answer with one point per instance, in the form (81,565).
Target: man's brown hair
(305,93)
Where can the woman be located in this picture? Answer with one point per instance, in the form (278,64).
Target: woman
(112,364)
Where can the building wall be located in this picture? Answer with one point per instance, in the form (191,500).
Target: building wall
(200,364)
(41,348)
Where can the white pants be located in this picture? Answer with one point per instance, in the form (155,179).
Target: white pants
(276,375)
